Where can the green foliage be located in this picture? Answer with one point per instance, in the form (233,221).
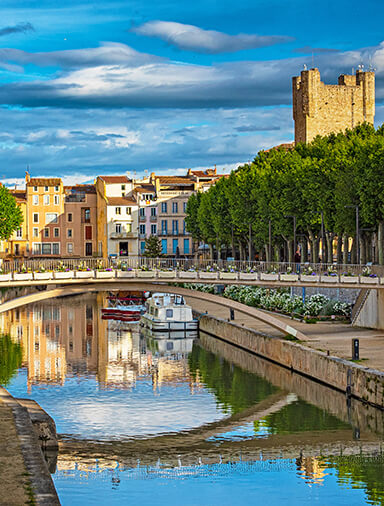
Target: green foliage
(11,216)
(326,175)
(10,359)
(152,247)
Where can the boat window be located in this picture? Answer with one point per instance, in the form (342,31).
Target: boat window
(156,312)
(169,313)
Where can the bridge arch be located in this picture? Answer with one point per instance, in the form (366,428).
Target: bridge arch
(135,285)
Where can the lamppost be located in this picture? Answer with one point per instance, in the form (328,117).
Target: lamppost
(270,239)
(357,232)
(294,230)
(322,232)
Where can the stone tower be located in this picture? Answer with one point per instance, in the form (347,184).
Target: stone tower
(319,109)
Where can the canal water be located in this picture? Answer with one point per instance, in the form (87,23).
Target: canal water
(191,422)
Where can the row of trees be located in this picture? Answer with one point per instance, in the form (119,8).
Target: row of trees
(320,187)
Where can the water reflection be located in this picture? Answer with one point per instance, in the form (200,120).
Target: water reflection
(196,413)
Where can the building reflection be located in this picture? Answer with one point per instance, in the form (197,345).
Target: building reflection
(62,337)
(311,469)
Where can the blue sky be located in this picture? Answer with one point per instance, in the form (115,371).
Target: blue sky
(91,87)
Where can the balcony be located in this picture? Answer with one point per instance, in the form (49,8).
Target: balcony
(123,235)
(153,217)
(76,197)
(142,219)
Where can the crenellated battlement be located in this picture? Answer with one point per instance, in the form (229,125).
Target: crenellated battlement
(319,109)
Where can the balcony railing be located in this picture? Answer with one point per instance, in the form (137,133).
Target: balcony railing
(153,217)
(142,218)
(123,235)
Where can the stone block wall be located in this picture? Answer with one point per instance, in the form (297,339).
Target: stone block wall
(319,109)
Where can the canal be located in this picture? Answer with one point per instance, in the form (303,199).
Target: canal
(192,422)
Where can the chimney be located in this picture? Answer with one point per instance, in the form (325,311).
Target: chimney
(27,176)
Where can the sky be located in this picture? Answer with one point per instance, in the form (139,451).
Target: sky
(93,88)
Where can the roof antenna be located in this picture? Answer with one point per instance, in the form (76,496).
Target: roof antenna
(305,66)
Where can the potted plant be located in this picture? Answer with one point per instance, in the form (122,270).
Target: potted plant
(330,276)
(349,277)
(249,274)
(289,275)
(42,273)
(308,275)
(189,274)
(209,272)
(166,273)
(84,272)
(271,274)
(4,276)
(143,271)
(63,272)
(126,272)
(228,272)
(368,277)
(23,274)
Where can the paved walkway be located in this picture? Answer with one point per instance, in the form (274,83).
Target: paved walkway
(325,336)
(13,473)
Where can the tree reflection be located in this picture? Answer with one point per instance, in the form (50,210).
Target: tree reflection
(10,358)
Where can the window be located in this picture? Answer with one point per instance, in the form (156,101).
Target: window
(184,207)
(69,217)
(175,207)
(142,229)
(164,246)
(35,217)
(142,246)
(118,228)
(56,188)
(56,199)
(164,227)
(117,210)
(186,246)
(56,248)
(163,207)
(184,227)
(88,233)
(128,227)
(142,211)
(86,214)
(88,249)
(46,200)
(70,247)
(128,210)
(46,232)
(19,232)
(175,246)
(46,248)
(147,196)
(175,227)
(46,188)
(153,211)
(50,218)
(69,233)
(153,229)
(123,187)
(35,188)
(169,313)
(35,232)
(56,232)
(35,200)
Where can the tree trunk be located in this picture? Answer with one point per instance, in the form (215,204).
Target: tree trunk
(329,238)
(353,251)
(380,242)
(314,241)
(345,248)
(304,250)
(339,254)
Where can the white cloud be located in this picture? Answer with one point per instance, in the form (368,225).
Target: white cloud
(193,38)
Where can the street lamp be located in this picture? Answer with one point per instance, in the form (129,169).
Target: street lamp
(357,231)
(294,230)
(322,232)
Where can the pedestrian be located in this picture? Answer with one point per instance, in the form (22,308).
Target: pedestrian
(297,260)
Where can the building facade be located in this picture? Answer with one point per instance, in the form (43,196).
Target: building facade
(320,109)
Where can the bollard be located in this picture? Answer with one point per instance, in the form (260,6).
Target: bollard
(355,349)
(231,314)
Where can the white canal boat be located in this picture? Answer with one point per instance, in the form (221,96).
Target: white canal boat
(169,313)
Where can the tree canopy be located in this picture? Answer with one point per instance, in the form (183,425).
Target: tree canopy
(11,216)
(319,183)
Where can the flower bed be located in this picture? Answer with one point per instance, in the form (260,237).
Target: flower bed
(145,274)
(369,280)
(207,275)
(269,276)
(289,277)
(349,279)
(5,277)
(125,274)
(248,276)
(22,276)
(227,275)
(42,275)
(310,278)
(84,274)
(330,278)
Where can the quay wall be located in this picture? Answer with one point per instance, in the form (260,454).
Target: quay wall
(354,379)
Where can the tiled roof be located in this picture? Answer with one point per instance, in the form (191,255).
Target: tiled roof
(44,181)
(174,180)
(81,188)
(121,201)
(144,188)
(19,194)
(286,146)
(115,179)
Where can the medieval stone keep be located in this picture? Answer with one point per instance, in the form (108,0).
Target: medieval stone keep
(319,109)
